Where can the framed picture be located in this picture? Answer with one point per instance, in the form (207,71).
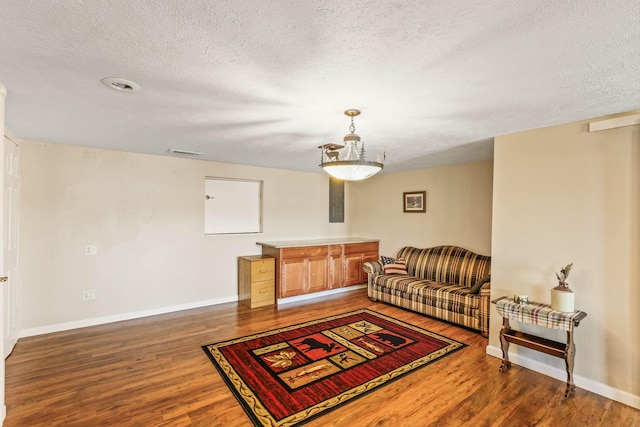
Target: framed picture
(414,201)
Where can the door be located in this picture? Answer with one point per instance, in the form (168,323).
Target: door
(335,267)
(353,269)
(318,274)
(293,277)
(9,267)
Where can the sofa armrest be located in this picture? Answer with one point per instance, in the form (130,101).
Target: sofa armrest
(485,290)
(373,267)
(485,308)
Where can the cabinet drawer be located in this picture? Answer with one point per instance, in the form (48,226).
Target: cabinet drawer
(263,291)
(361,247)
(306,251)
(335,250)
(262,270)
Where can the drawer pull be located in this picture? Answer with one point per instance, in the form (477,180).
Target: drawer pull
(264,271)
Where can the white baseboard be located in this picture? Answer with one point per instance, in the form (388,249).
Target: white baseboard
(318,294)
(560,374)
(58,327)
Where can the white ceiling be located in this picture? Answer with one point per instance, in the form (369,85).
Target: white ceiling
(265,82)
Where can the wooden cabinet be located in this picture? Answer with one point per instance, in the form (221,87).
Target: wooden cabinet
(303,275)
(355,255)
(303,270)
(306,269)
(256,280)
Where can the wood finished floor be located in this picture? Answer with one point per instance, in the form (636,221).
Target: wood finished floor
(152,372)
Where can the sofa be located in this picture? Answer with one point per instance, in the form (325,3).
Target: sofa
(446,282)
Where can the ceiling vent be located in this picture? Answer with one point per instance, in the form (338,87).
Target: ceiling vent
(184,152)
(122,85)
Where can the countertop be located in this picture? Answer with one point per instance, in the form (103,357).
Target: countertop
(316,242)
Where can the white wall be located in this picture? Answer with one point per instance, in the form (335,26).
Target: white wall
(562,194)
(458,208)
(3,407)
(146,216)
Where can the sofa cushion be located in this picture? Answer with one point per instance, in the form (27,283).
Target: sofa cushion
(398,267)
(448,264)
(454,298)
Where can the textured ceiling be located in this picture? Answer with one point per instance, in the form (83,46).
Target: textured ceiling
(265,82)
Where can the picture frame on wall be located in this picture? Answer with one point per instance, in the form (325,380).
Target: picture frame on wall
(414,201)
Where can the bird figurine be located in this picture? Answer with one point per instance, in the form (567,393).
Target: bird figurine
(562,277)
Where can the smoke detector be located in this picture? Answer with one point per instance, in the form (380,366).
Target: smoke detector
(122,85)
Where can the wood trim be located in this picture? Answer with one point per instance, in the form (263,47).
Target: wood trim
(616,122)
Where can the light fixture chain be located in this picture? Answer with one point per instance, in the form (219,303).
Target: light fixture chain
(352,128)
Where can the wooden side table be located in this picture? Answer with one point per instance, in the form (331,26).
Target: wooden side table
(540,315)
(256,280)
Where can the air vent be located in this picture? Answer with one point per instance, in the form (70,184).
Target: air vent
(122,85)
(185,152)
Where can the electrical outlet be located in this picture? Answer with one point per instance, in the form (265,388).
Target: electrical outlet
(88,294)
(90,250)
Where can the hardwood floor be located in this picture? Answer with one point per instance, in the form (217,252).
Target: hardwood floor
(152,372)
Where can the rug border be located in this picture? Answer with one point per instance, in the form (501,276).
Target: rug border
(250,412)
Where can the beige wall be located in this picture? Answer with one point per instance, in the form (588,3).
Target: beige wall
(562,194)
(458,208)
(146,216)
(3,408)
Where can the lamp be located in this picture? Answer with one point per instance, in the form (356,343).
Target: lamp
(352,166)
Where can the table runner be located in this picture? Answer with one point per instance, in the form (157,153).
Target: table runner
(536,314)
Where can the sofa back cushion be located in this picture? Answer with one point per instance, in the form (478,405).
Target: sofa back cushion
(447,264)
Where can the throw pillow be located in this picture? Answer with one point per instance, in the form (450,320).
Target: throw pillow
(387,260)
(399,267)
(475,289)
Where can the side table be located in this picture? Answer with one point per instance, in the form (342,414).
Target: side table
(540,315)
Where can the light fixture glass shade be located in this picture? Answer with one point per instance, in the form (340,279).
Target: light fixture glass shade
(352,170)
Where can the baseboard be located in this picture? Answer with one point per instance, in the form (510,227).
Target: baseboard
(58,327)
(560,374)
(318,294)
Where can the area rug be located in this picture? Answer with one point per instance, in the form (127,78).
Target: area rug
(290,375)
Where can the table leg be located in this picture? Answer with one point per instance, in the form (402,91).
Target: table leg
(569,358)
(504,344)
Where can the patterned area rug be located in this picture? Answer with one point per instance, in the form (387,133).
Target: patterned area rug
(291,375)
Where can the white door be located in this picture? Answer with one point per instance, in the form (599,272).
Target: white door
(10,288)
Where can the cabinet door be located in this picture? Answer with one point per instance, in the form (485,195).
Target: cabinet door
(335,267)
(293,277)
(335,272)
(318,268)
(353,269)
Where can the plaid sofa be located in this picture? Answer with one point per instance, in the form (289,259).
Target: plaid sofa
(447,282)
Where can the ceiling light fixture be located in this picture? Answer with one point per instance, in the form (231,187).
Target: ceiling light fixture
(352,166)
(122,85)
